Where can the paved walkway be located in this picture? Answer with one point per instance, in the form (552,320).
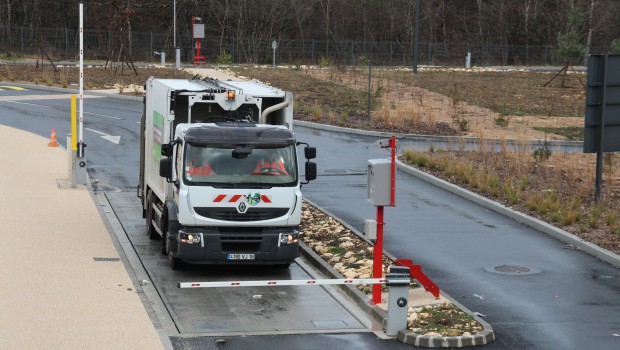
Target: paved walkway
(55,291)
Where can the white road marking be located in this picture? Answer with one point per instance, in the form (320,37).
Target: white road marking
(43,97)
(25,103)
(16,99)
(113,139)
(102,115)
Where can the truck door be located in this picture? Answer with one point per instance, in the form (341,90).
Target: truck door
(177,172)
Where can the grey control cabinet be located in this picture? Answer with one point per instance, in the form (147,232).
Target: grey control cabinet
(379,182)
(398,280)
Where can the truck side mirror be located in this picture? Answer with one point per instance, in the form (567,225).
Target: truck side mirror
(166,150)
(310,171)
(165,168)
(310,152)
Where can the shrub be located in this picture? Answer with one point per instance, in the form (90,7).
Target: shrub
(224,58)
(611,218)
(512,193)
(416,158)
(461,122)
(595,214)
(502,121)
(379,89)
(323,62)
(542,154)
(569,217)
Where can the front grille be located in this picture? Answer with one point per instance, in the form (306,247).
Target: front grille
(231,214)
(240,247)
(241,238)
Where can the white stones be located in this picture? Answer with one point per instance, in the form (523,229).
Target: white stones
(346,245)
(350,274)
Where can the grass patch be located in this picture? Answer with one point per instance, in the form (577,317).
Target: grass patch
(573,133)
(330,96)
(443,319)
(506,93)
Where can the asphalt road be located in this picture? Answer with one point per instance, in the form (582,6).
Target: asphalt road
(561,299)
(259,317)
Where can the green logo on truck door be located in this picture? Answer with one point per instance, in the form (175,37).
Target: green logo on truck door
(158,132)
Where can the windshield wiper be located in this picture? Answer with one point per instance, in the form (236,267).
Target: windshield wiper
(221,185)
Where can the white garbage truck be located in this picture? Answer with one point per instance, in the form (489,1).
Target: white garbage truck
(219,173)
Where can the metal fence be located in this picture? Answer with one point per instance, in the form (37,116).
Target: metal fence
(63,44)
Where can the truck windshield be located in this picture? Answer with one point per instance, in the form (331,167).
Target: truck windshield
(215,165)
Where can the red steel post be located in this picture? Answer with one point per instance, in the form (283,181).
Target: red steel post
(377,263)
(393,172)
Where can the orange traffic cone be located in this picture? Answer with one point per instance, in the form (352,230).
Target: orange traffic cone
(53,142)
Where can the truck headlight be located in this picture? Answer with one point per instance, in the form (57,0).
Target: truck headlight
(288,238)
(189,238)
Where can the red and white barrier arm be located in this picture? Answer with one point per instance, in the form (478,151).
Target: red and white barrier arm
(281,283)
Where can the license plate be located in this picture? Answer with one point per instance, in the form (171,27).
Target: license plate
(241,257)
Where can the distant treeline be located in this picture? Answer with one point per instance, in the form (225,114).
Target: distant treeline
(481,24)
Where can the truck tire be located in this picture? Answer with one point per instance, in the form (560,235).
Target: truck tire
(174,263)
(152,233)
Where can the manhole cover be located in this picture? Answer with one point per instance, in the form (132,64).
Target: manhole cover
(512,270)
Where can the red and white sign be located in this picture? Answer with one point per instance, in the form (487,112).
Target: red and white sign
(234,198)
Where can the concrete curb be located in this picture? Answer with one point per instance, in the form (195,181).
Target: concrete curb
(455,140)
(541,226)
(379,315)
(75,91)
(486,336)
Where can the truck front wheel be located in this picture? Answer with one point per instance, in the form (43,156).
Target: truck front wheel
(168,246)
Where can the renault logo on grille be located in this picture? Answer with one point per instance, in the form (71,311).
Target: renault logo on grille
(242,207)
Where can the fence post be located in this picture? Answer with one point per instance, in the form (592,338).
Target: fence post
(66,43)
(233,49)
(352,53)
(22,40)
(430,52)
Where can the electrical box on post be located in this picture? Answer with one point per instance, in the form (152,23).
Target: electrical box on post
(379,182)
(370,229)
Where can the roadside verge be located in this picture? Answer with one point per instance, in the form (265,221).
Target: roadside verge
(378,312)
